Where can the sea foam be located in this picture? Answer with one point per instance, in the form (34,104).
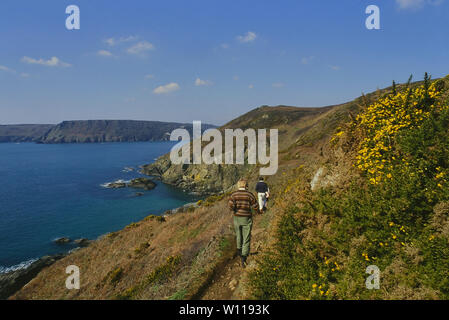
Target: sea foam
(20,266)
(107,184)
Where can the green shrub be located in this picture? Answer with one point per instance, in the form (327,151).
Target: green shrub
(142,248)
(114,276)
(326,239)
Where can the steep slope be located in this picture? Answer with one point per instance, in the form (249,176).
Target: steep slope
(23,132)
(377,199)
(291,122)
(304,246)
(83,131)
(180,256)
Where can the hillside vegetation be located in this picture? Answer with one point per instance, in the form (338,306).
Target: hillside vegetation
(392,212)
(361,183)
(293,123)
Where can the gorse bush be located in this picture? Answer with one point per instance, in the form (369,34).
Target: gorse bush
(390,116)
(393,214)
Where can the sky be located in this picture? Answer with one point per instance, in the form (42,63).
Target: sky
(207,60)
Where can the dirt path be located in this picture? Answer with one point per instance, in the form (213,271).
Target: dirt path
(226,280)
(224,283)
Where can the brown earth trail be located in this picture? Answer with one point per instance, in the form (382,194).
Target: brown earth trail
(228,280)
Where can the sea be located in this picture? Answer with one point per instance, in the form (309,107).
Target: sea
(48,191)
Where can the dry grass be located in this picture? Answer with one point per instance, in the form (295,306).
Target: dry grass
(129,258)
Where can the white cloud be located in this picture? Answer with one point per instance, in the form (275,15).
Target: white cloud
(170,87)
(140,47)
(110,41)
(12,71)
(248,37)
(116,41)
(277,85)
(335,68)
(307,60)
(199,82)
(224,45)
(416,4)
(104,53)
(149,76)
(6,69)
(52,62)
(251,86)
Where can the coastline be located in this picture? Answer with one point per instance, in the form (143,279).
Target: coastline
(13,281)
(15,273)
(22,273)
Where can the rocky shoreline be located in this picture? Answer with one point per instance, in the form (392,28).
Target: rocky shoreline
(13,281)
(200,179)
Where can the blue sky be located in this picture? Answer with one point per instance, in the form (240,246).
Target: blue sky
(207,60)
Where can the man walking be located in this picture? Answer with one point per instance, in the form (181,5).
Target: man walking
(263,193)
(241,202)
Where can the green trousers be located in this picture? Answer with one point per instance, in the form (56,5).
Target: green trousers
(243,226)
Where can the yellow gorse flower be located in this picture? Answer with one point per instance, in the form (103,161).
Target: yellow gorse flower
(380,122)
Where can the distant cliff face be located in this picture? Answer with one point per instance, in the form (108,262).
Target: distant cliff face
(85,131)
(292,123)
(23,132)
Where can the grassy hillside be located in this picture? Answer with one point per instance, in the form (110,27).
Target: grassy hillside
(327,220)
(381,198)
(293,123)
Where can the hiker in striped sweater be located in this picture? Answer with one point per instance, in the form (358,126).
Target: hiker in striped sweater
(242,202)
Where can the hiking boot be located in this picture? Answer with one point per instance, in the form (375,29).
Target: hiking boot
(243,258)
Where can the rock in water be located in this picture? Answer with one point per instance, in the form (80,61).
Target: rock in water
(62,240)
(83,242)
(116,185)
(142,183)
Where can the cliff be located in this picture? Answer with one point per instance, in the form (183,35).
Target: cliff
(23,132)
(293,123)
(85,131)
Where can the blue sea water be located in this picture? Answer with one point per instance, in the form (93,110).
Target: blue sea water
(55,190)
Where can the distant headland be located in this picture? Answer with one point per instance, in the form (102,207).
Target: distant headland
(91,131)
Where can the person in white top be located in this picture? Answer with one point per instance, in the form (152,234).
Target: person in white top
(263,193)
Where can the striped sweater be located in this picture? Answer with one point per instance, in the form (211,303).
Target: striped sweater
(241,202)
